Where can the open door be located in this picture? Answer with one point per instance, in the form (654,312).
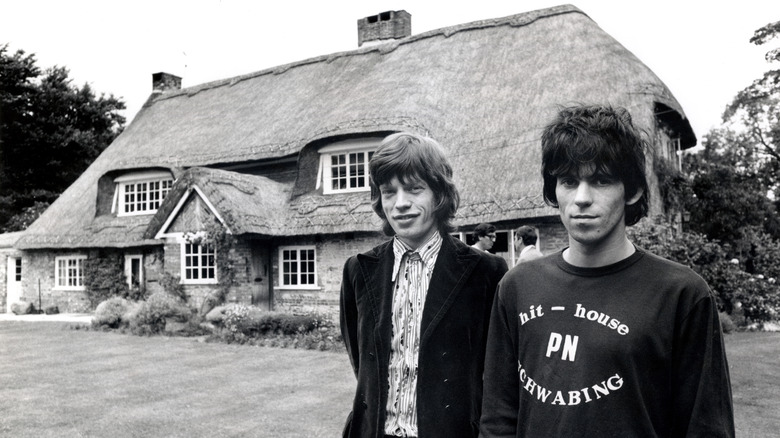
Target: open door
(14,274)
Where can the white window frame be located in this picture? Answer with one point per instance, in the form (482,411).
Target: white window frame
(199,267)
(139,183)
(363,146)
(298,273)
(68,277)
(129,269)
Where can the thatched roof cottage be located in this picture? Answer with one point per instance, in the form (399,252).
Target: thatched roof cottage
(278,157)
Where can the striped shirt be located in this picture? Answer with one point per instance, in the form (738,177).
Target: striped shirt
(409,290)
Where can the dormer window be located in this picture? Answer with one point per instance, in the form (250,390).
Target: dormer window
(344,165)
(141,192)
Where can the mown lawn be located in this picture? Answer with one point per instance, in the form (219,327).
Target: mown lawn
(59,382)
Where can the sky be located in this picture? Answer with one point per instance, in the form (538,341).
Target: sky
(700,49)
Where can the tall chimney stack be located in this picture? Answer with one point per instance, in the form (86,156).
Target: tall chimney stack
(162,82)
(390,25)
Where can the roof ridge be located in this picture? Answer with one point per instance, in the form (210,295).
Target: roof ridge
(516,20)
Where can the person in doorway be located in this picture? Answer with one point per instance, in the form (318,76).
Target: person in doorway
(414,311)
(484,237)
(525,244)
(603,338)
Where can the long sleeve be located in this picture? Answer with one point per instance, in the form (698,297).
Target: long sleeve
(348,317)
(703,402)
(501,379)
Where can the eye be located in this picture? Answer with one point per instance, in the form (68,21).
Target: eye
(604,180)
(567,181)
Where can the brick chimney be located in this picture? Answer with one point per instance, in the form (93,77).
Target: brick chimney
(162,82)
(390,25)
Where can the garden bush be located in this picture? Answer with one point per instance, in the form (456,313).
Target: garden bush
(109,313)
(151,315)
(755,295)
(249,324)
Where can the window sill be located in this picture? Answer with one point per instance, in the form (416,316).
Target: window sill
(201,282)
(304,287)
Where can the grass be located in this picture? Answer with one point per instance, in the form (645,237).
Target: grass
(58,382)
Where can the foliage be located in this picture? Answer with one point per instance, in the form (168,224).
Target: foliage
(151,316)
(249,324)
(755,112)
(672,184)
(104,278)
(223,242)
(728,196)
(27,216)
(109,313)
(172,285)
(50,131)
(753,295)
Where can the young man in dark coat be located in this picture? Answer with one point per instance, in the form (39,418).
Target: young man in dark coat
(415,309)
(603,339)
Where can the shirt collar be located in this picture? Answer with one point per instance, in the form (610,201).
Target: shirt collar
(526,249)
(428,252)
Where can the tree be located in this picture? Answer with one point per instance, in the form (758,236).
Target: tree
(755,111)
(50,132)
(728,199)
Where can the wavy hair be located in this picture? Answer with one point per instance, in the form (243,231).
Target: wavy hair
(412,157)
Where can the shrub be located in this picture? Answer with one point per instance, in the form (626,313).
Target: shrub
(726,323)
(151,315)
(104,278)
(109,313)
(172,285)
(756,297)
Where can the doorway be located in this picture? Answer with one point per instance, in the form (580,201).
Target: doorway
(262,284)
(14,277)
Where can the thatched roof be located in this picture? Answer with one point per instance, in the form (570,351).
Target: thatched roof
(483,89)
(8,240)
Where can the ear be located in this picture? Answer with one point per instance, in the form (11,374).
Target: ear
(633,200)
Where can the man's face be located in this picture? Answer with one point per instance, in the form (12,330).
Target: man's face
(409,208)
(488,240)
(592,207)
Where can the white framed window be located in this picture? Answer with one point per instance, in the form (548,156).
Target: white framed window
(198,263)
(69,272)
(134,272)
(344,165)
(141,192)
(297,267)
(18,269)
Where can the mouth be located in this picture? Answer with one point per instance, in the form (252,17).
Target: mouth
(404,217)
(583,217)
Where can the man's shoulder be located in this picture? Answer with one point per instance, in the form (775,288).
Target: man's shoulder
(669,269)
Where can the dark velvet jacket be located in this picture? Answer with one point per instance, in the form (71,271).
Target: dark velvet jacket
(452,345)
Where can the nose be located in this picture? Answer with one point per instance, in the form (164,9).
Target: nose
(402,199)
(583,195)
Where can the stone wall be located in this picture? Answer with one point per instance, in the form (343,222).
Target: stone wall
(331,253)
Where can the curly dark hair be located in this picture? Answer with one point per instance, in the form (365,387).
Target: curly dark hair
(599,136)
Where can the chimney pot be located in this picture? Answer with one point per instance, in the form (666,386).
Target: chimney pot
(384,26)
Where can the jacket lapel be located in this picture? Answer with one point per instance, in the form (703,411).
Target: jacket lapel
(453,267)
